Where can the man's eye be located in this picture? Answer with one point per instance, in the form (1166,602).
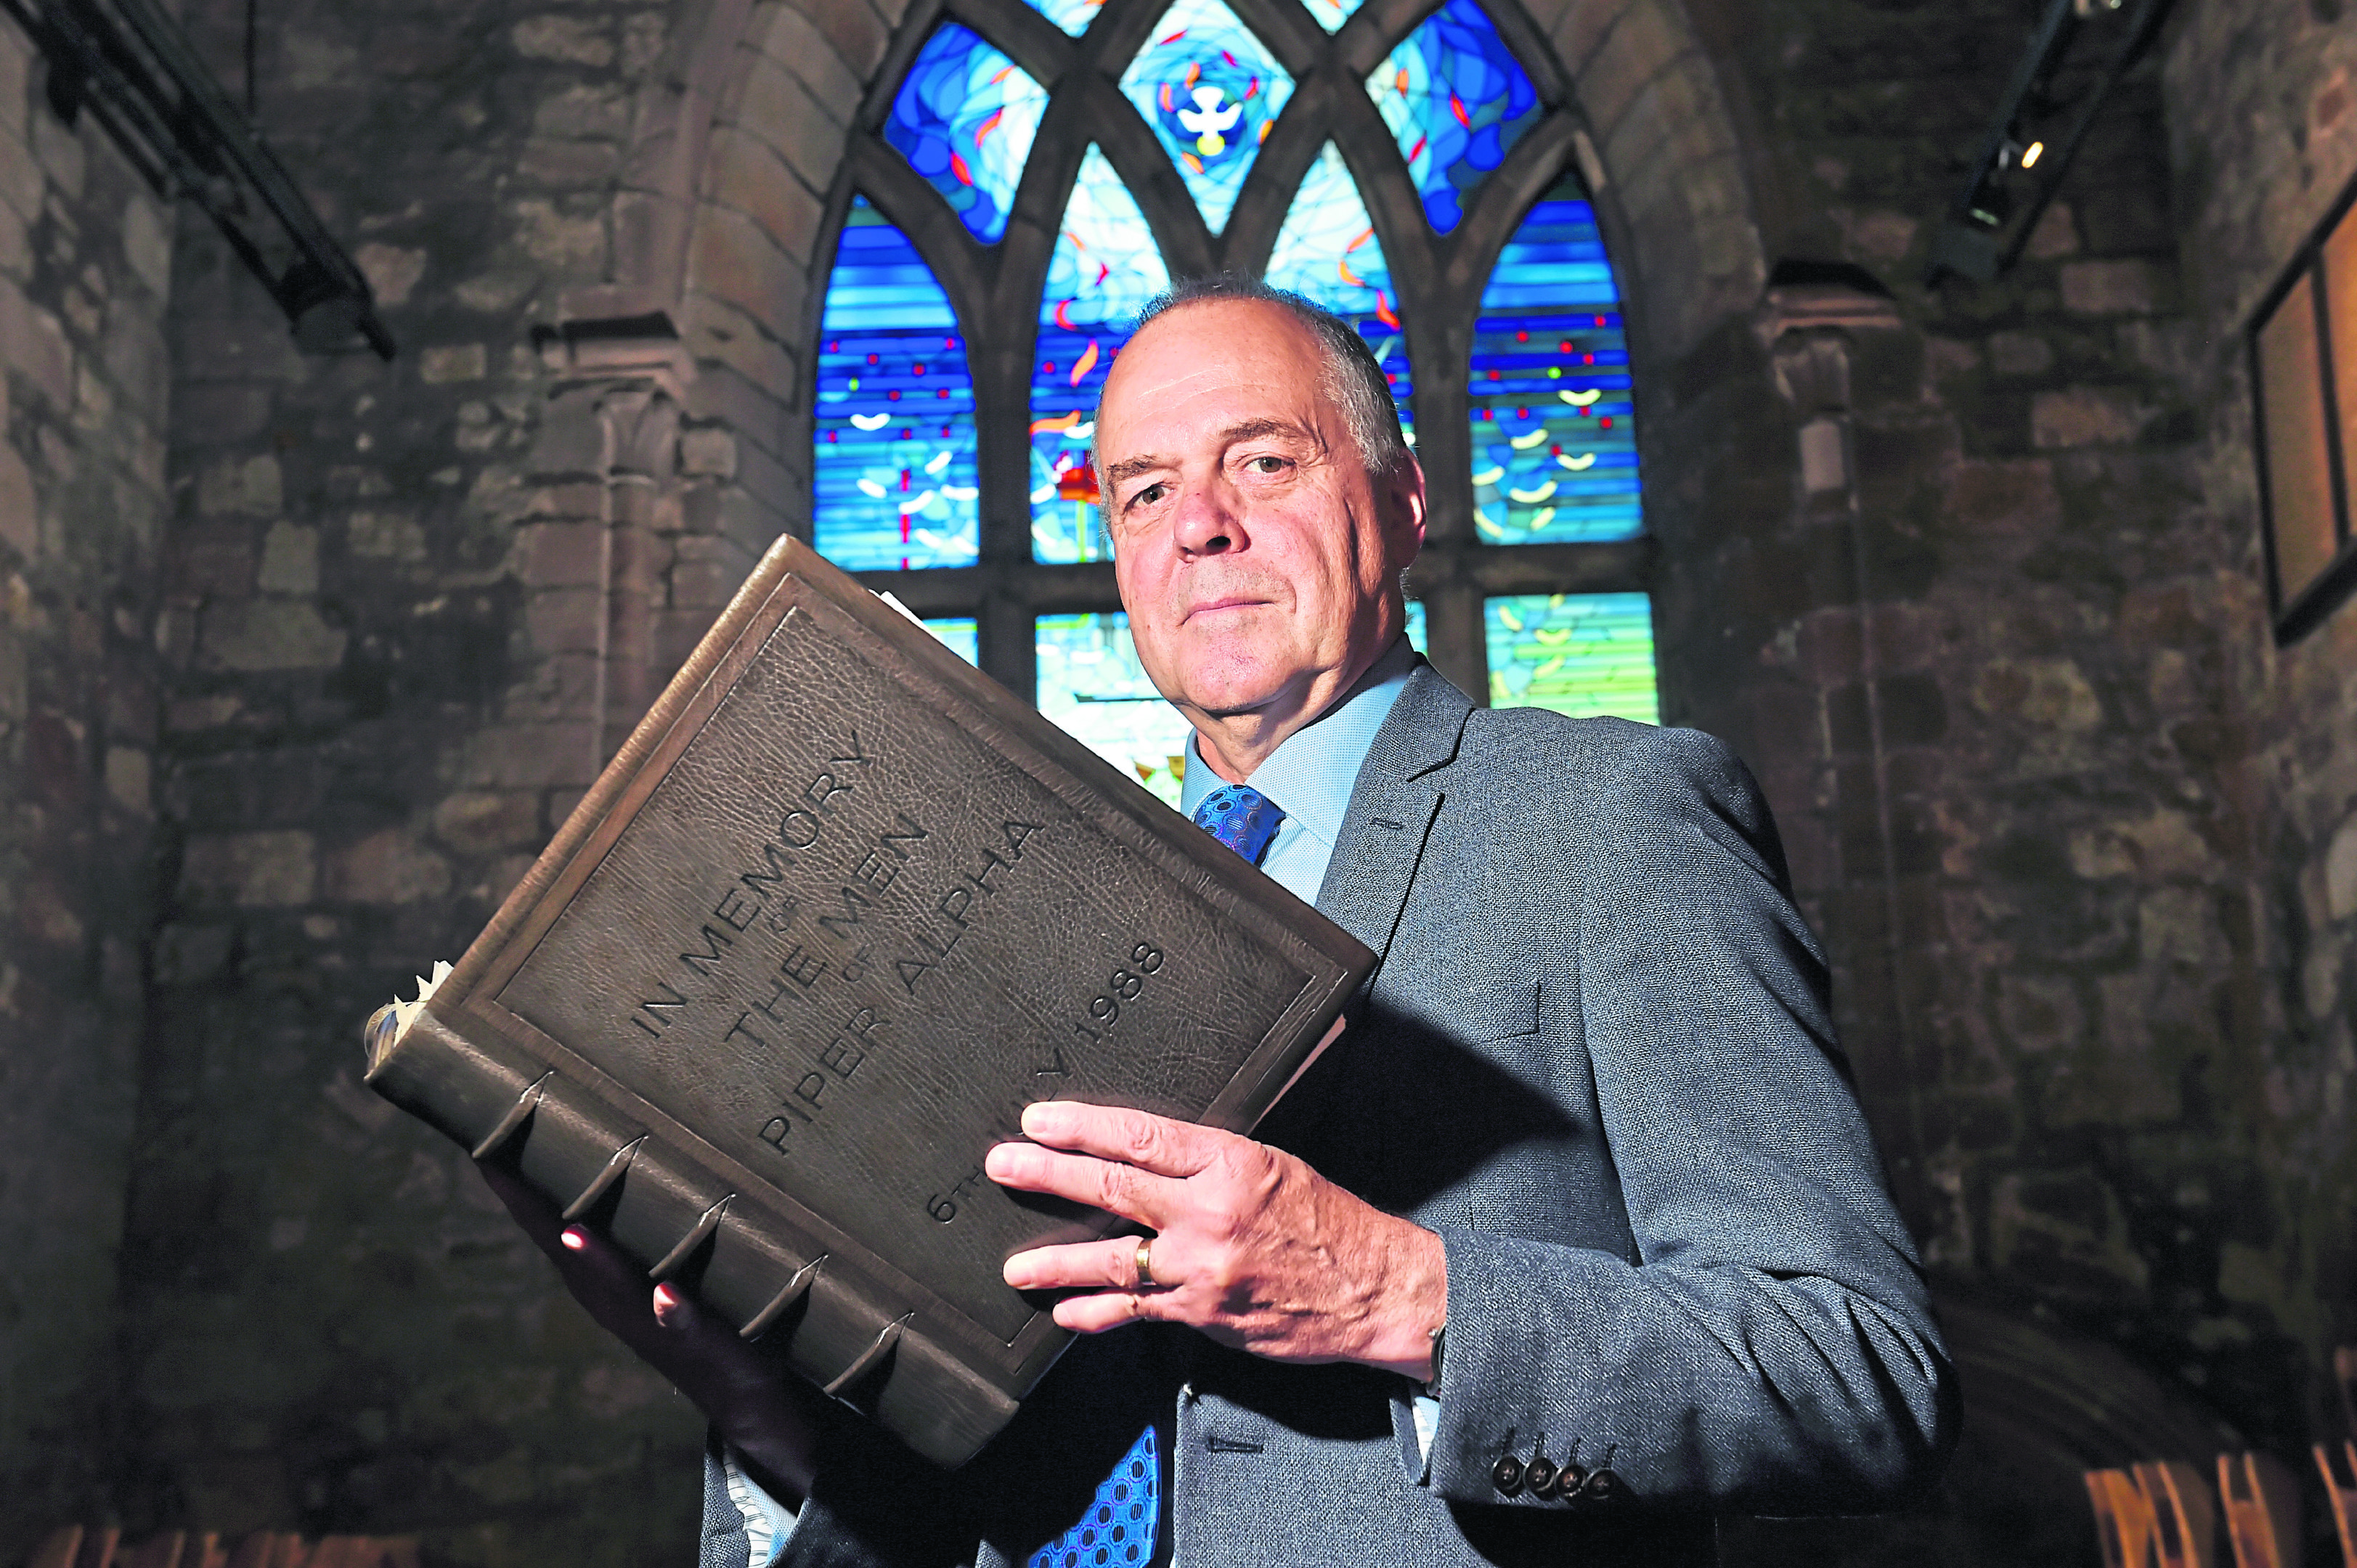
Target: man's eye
(1266,463)
(1148,496)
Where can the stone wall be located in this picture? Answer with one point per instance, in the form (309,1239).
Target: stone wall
(85,260)
(1968,576)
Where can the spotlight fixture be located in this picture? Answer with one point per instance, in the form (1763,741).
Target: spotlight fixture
(2047,111)
(129,65)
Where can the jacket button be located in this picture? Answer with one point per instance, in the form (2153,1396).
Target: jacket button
(1506,1475)
(1539,1475)
(1567,1482)
(1601,1486)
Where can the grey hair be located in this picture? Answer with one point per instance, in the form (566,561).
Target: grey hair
(1354,377)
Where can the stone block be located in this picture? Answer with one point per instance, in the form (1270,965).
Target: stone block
(568,165)
(20,515)
(1578,27)
(250,487)
(251,870)
(731,257)
(707,451)
(61,153)
(2057,234)
(584,113)
(565,620)
(452,362)
(562,554)
(33,343)
(532,756)
(857,33)
(1642,42)
(2087,416)
(484,822)
(779,108)
(573,244)
(2340,871)
(391,271)
(290,560)
(387,867)
(716,330)
(795,43)
(261,635)
(22,183)
(2124,287)
(2048,694)
(130,778)
(385,536)
(2178,925)
(147,242)
(185,953)
(574,40)
(2019,353)
(749,176)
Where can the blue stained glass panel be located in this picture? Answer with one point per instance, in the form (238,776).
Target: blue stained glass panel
(1555,440)
(1104,268)
(894,445)
(1332,14)
(1582,654)
(1211,90)
(1327,252)
(1416,626)
(1458,98)
(1072,15)
(965,119)
(1091,682)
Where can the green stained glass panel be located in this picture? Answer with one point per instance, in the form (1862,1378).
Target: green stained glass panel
(1091,683)
(1582,654)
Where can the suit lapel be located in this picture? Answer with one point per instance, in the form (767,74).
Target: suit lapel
(1393,805)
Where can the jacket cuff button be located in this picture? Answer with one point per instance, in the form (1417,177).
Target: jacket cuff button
(1506,1475)
(1539,1476)
(1602,1487)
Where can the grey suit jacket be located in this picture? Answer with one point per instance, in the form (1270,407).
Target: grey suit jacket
(1598,1060)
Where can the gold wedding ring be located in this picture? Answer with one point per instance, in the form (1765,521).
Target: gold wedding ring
(1146,1264)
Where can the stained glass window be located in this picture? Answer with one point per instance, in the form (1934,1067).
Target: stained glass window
(1072,15)
(1416,627)
(965,119)
(1582,654)
(1555,440)
(1327,252)
(1457,99)
(894,485)
(1332,14)
(1091,683)
(1211,90)
(961,637)
(1105,268)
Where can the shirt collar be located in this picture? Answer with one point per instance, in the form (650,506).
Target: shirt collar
(1311,774)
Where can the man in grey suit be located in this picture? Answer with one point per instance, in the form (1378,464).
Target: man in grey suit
(1576,1235)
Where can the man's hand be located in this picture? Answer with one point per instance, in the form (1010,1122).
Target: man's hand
(767,1414)
(1251,1246)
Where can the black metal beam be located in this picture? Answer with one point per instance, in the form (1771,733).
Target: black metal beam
(129,65)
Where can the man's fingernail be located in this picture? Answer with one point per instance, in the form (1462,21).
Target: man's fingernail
(667,1302)
(575,1238)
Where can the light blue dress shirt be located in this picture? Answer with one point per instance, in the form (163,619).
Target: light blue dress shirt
(1310,777)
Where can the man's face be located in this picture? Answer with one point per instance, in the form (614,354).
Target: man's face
(1258,560)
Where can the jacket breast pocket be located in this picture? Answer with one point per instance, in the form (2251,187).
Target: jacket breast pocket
(1475,1013)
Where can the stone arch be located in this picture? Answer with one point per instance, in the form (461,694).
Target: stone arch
(722,223)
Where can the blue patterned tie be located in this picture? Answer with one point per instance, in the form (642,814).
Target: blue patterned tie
(1242,817)
(1118,1530)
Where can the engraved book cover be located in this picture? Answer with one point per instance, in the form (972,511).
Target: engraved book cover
(837,911)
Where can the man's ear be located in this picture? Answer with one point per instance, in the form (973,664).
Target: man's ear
(1404,503)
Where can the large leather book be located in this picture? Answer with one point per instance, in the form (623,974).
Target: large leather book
(841,907)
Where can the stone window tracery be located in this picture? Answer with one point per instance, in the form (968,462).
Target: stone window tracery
(1038,171)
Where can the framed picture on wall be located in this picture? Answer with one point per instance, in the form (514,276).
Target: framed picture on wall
(2303,349)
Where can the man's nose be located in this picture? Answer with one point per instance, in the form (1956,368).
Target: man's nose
(1206,522)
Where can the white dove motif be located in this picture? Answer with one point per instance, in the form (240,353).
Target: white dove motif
(1207,119)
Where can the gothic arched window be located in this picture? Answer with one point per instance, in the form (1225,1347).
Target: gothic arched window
(1036,172)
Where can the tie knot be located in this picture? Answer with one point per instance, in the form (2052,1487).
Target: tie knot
(1242,817)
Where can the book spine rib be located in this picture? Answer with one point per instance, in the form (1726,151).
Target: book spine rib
(680,1223)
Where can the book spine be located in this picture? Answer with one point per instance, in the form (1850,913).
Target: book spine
(740,1260)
